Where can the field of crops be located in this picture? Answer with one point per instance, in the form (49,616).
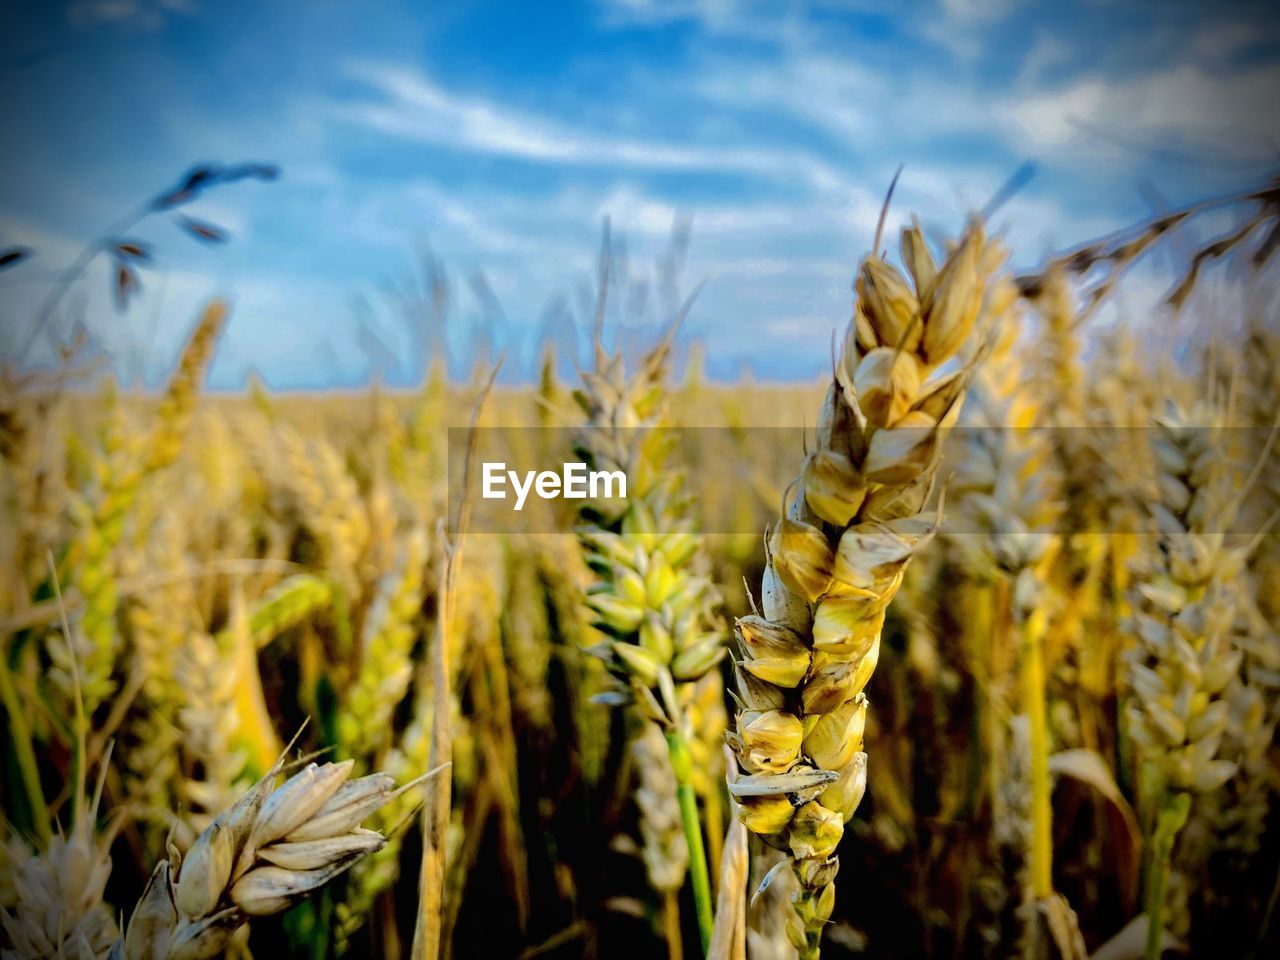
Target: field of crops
(968,651)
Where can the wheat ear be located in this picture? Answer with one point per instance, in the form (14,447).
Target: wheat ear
(837,557)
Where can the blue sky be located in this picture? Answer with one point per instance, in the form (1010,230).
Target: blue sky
(501,134)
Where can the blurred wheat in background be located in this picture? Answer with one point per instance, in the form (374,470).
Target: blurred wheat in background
(968,647)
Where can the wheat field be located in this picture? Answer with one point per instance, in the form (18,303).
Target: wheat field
(968,650)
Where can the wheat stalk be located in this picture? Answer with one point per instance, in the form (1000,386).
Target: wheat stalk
(428,932)
(158,624)
(126,458)
(313,475)
(364,725)
(56,909)
(666,855)
(90,564)
(649,598)
(837,557)
(287,604)
(1182,660)
(178,403)
(1008,484)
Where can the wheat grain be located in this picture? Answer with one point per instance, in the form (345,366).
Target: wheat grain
(274,846)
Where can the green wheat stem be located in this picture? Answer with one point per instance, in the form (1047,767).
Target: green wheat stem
(20,734)
(682,766)
(1173,815)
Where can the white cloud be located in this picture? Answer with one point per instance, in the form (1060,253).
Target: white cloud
(1215,114)
(961,26)
(984,10)
(710,13)
(833,93)
(744,17)
(865,109)
(1047,52)
(765,21)
(414,108)
(772,223)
